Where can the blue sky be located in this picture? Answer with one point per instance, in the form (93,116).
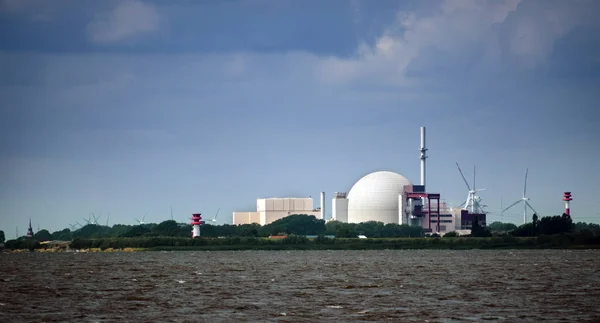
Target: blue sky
(134,106)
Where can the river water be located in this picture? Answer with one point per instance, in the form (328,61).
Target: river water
(302,286)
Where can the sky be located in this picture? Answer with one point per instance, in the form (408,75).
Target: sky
(136,107)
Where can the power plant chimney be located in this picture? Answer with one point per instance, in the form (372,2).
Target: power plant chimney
(423,157)
(567,198)
(322,205)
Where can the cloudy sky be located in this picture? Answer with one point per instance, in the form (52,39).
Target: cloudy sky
(134,107)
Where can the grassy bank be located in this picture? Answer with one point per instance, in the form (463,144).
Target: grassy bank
(561,241)
(565,241)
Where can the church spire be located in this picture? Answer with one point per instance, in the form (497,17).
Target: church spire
(30,230)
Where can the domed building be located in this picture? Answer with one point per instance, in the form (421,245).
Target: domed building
(382,196)
(377,197)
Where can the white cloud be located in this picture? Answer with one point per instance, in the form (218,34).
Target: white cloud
(130,18)
(520,30)
(455,25)
(534,31)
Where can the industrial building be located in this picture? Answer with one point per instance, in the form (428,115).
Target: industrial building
(382,196)
(273,209)
(389,197)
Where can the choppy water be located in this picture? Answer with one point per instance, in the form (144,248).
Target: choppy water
(301,286)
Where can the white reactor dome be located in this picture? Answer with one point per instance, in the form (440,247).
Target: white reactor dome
(375,197)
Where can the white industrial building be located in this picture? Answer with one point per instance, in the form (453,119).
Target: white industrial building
(389,197)
(272,209)
(377,197)
(382,196)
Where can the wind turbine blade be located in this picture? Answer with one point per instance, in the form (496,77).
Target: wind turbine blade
(534,211)
(517,202)
(525,187)
(478,207)
(473,177)
(463,177)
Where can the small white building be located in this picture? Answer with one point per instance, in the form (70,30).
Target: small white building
(339,207)
(272,209)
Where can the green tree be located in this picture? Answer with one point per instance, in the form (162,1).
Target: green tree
(555,224)
(119,230)
(347,230)
(42,235)
(92,231)
(62,235)
(167,228)
(525,230)
(371,229)
(137,231)
(498,226)
(299,224)
(331,227)
(592,227)
(2,237)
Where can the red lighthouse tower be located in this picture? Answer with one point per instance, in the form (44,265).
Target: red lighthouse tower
(196,223)
(567,198)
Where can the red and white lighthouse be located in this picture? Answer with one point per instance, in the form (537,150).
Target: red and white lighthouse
(567,198)
(196,223)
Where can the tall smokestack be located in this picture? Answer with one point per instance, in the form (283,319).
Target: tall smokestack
(423,157)
(323,205)
(567,198)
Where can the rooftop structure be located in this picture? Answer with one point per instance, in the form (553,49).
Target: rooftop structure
(272,209)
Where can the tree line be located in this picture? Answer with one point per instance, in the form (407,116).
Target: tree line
(302,225)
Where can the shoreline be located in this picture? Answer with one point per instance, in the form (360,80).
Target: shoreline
(302,243)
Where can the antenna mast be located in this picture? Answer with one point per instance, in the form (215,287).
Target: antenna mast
(423,156)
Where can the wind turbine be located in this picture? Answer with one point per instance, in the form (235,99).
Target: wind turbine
(214,219)
(88,220)
(140,222)
(525,201)
(95,219)
(472,201)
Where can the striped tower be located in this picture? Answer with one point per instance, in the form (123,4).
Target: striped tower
(196,223)
(567,198)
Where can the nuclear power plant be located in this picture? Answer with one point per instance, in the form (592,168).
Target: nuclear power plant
(389,197)
(383,196)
